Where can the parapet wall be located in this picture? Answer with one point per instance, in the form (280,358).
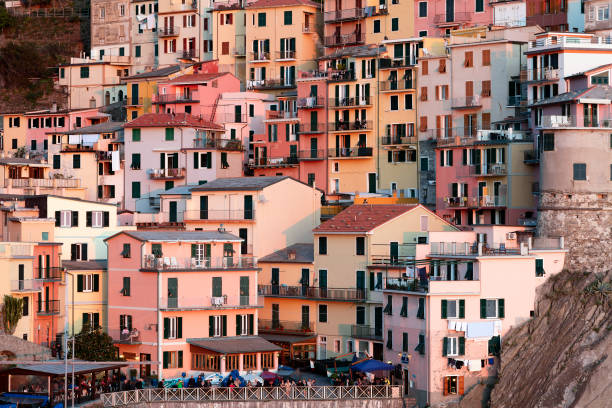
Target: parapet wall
(585,220)
(346,403)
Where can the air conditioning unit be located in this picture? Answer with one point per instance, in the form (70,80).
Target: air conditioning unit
(217,301)
(511,235)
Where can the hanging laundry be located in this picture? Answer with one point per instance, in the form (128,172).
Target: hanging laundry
(452,324)
(151,22)
(474,365)
(459,364)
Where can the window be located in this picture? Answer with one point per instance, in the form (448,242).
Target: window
(422,9)
(76,161)
(580,171)
(539,267)
(251,110)
(125,290)
(479,6)
(360,246)
(135,135)
(423,33)
(389,306)
(404,311)
(169,134)
(453,346)
(492,308)
(225,46)
(453,309)
(127,251)
(469,59)
(408,102)
(288,17)
(88,282)
(173,359)
(322,245)
(261,19)
(135,189)
(424,67)
(66,219)
(486,92)
(394,102)
(376,26)
(446,158)
(337,345)
(78,252)
(395,24)
(603,13)
(424,163)
(389,339)
(322,313)
(421,345)
(56,161)
(135,161)
(549,142)
(84,72)
(360,315)
(45,236)
(421,309)
(486,57)
(173,327)
(217,326)
(97,219)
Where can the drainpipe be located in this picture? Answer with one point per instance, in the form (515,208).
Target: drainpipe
(159,319)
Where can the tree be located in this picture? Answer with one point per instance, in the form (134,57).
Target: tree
(94,345)
(11,313)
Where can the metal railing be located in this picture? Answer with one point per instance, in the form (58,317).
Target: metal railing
(135,101)
(543,74)
(168,31)
(187,54)
(567,41)
(220,215)
(397,62)
(553,121)
(26,285)
(308,28)
(469,248)
(310,102)
(312,154)
(309,127)
(287,54)
(395,85)
(122,336)
(161,174)
(259,56)
(272,325)
(344,39)
(350,125)
(466,102)
(208,302)
(270,83)
(226,262)
(48,307)
(348,102)
(366,332)
(399,140)
(273,161)
(52,273)
(176,98)
(344,14)
(45,183)
(312,292)
(339,75)
(314,393)
(516,100)
(282,114)
(488,170)
(223,144)
(444,18)
(531,157)
(350,152)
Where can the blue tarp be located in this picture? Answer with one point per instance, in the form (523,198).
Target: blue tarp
(234,374)
(372,365)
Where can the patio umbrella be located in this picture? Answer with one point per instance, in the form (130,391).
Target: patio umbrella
(372,365)
(269,376)
(285,371)
(249,378)
(214,378)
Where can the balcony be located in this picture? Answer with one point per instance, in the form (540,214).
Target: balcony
(125,336)
(399,140)
(560,121)
(308,28)
(208,302)
(311,102)
(220,144)
(310,292)
(187,54)
(494,170)
(218,215)
(261,162)
(543,74)
(350,102)
(456,202)
(167,174)
(286,55)
(462,136)
(108,155)
(268,84)
(50,274)
(283,114)
(48,307)
(26,285)
(77,148)
(445,20)
(312,154)
(403,84)
(239,51)
(340,40)
(401,62)
(335,16)
(531,157)
(348,126)
(152,263)
(259,56)
(43,183)
(366,332)
(311,128)
(466,102)
(168,31)
(341,75)
(132,101)
(436,282)
(517,100)
(285,326)
(353,152)
(189,97)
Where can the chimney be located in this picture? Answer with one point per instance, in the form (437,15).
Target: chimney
(291,255)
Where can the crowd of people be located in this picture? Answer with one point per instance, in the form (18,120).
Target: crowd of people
(359,379)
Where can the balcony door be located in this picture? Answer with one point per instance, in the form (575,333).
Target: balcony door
(305,317)
(244,290)
(274,282)
(248,207)
(275,316)
(172,292)
(203,207)
(378,321)
(394,252)
(173,210)
(305,281)
(450,11)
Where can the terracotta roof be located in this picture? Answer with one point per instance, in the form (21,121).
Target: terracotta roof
(196,78)
(171,120)
(281,3)
(162,72)
(363,218)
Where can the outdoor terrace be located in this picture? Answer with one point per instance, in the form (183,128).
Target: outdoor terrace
(120,336)
(310,102)
(221,144)
(208,303)
(26,285)
(486,201)
(44,183)
(312,154)
(48,307)
(188,97)
(344,126)
(310,292)
(168,31)
(167,174)
(270,84)
(309,127)
(466,102)
(349,102)
(50,273)
(457,17)
(261,162)
(152,263)
(337,40)
(407,61)
(397,85)
(603,120)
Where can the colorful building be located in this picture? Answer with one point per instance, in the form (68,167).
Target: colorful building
(203,317)
(143,86)
(440,17)
(143,35)
(445,318)
(110,28)
(229,40)
(85,295)
(556,15)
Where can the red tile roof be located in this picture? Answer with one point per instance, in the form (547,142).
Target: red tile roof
(171,120)
(281,3)
(363,218)
(196,78)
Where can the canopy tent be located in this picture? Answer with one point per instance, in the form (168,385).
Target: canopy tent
(372,365)
(235,375)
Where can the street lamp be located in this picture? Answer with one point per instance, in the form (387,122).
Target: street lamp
(66,346)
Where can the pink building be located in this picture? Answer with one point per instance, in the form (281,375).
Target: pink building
(187,300)
(196,94)
(437,18)
(445,320)
(41,123)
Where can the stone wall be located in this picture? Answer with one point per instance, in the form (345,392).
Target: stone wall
(14,348)
(346,403)
(585,220)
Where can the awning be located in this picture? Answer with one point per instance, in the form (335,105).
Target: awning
(56,368)
(234,345)
(289,338)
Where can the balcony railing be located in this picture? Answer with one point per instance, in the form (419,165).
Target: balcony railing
(168,31)
(187,54)
(543,74)
(350,102)
(125,336)
(132,101)
(466,102)
(396,85)
(218,215)
(338,40)
(366,332)
(311,127)
(456,202)
(343,15)
(48,307)
(488,170)
(221,144)
(346,152)
(44,183)
(259,56)
(167,174)
(516,100)
(397,62)
(50,274)
(350,125)
(285,326)
(208,302)
(150,262)
(311,292)
(176,98)
(464,136)
(312,154)
(340,75)
(457,17)
(285,55)
(308,28)
(561,121)
(26,285)
(283,114)
(531,157)
(239,51)
(270,84)
(399,140)
(273,161)
(310,102)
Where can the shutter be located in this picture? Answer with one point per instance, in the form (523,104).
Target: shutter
(85,319)
(162,160)
(461,346)
(58,215)
(450,157)
(464,155)
(126,286)
(287,132)
(424,67)
(73,252)
(501,308)
(194,248)
(266,45)
(75,218)
(238,325)
(224,324)
(373,67)
(460,385)
(483,308)
(88,217)
(106,218)
(444,308)
(462,308)
(209,160)
(363,69)
(196,159)
(83,252)
(166,358)
(179,327)
(251,324)
(211,326)
(444,386)
(445,346)
(292,44)
(372,277)
(255,44)
(96,320)
(180,359)
(96,282)
(79,281)
(166,327)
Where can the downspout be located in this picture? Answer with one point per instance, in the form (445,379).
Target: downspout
(377,62)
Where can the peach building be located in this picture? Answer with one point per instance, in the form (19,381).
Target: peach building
(110,28)
(228,44)
(439,17)
(447,313)
(86,295)
(144,35)
(179,31)
(203,316)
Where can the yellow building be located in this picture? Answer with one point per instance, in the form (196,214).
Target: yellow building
(141,88)
(281,39)
(88,303)
(15,127)
(356,250)
(229,37)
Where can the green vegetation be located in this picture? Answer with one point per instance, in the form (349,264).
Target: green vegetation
(94,345)
(11,313)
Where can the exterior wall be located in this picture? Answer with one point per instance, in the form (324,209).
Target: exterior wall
(86,302)
(14,135)
(40,134)
(46,327)
(181,13)
(556,15)
(143,35)
(110,28)
(510,14)
(437,21)
(234,34)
